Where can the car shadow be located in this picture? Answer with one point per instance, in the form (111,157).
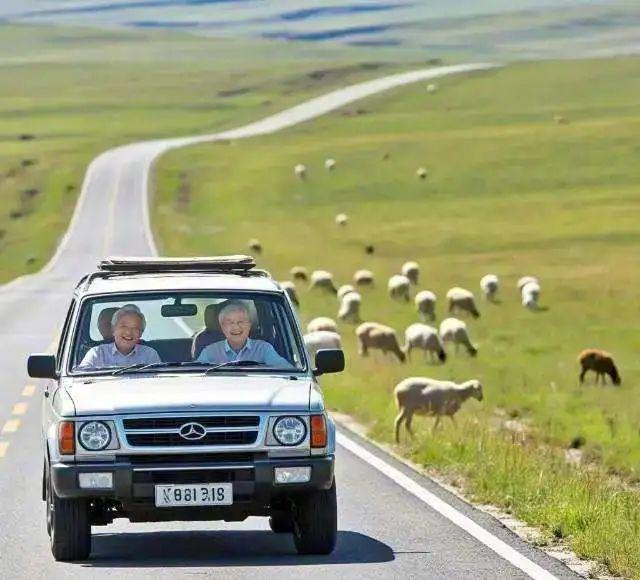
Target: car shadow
(226,548)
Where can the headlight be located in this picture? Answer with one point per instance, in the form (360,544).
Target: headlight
(94,436)
(289,430)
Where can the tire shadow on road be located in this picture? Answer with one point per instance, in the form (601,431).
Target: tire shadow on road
(226,548)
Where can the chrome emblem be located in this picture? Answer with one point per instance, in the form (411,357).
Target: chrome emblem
(192,431)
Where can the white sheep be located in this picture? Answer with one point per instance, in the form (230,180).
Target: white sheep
(455,331)
(363,278)
(350,307)
(421,172)
(530,294)
(300,170)
(399,287)
(323,280)
(255,245)
(299,273)
(319,339)
(344,289)
(432,88)
(462,299)
(342,219)
(412,271)
(522,282)
(425,338)
(372,335)
(425,302)
(329,164)
(490,284)
(322,323)
(290,288)
(425,396)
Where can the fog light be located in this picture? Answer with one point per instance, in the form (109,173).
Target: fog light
(292,474)
(102,480)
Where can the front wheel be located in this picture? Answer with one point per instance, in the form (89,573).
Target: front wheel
(68,526)
(315,524)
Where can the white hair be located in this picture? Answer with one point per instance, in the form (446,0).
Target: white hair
(128,309)
(233,306)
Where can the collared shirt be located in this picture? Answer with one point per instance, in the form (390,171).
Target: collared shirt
(254,349)
(107,355)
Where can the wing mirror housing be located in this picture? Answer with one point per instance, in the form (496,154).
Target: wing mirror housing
(329,360)
(42,366)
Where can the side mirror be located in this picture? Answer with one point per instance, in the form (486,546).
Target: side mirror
(329,360)
(42,366)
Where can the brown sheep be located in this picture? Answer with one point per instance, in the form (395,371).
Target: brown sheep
(378,336)
(601,363)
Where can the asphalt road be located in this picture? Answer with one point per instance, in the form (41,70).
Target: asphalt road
(393,523)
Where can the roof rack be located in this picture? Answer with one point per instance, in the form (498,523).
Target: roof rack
(211,264)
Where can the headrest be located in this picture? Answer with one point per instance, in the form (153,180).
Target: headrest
(211,317)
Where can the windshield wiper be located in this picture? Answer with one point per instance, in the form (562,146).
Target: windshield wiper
(235,363)
(155,365)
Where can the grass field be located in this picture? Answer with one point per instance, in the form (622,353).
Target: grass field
(509,191)
(80,91)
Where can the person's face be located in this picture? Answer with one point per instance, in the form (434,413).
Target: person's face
(236,326)
(127,332)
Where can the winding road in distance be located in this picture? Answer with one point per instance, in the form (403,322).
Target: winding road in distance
(393,523)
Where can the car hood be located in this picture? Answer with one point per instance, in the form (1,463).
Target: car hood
(169,393)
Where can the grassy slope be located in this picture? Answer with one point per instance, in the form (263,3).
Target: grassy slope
(510,192)
(81,91)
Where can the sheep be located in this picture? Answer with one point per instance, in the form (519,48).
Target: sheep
(374,335)
(421,172)
(343,290)
(432,88)
(398,286)
(490,284)
(255,245)
(426,396)
(426,338)
(601,363)
(530,295)
(329,164)
(290,288)
(350,307)
(462,299)
(560,120)
(342,219)
(522,282)
(323,280)
(322,323)
(363,278)
(411,270)
(369,249)
(425,302)
(455,330)
(299,273)
(300,170)
(319,339)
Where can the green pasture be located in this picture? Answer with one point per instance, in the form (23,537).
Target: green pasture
(510,191)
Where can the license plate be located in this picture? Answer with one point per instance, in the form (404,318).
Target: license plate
(195,494)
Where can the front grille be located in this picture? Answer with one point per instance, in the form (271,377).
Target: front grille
(177,422)
(174,439)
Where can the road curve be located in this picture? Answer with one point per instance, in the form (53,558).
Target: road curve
(392,521)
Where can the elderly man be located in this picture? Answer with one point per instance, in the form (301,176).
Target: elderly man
(128,324)
(235,322)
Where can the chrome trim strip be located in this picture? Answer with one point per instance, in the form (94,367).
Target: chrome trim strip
(194,468)
(177,431)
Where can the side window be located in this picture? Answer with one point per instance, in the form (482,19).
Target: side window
(65,331)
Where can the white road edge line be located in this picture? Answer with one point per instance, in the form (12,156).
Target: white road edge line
(443,508)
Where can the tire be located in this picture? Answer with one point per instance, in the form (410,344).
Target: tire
(281,522)
(68,526)
(316,522)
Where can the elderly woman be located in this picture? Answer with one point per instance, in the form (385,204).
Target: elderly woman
(128,324)
(235,322)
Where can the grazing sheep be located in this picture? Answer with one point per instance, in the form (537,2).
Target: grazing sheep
(299,273)
(455,330)
(386,156)
(363,278)
(412,271)
(300,170)
(323,280)
(601,363)
(290,288)
(319,339)
(342,219)
(432,88)
(425,302)
(372,335)
(399,287)
(426,338)
(350,307)
(560,120)
(425,396)
(462,299)
(530,295)
(322,323)
(421,172)
(369,249)
(343,290)
(490,284)
(329,164)
(255,245)
(522,282)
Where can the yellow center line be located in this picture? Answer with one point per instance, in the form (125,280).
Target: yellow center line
(28,390)
(11,426)
(19,409)
(4,445)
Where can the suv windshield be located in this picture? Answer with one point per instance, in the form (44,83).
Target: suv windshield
(128,333)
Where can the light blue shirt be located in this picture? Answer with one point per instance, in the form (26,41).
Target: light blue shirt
(254,349)
(107,355)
